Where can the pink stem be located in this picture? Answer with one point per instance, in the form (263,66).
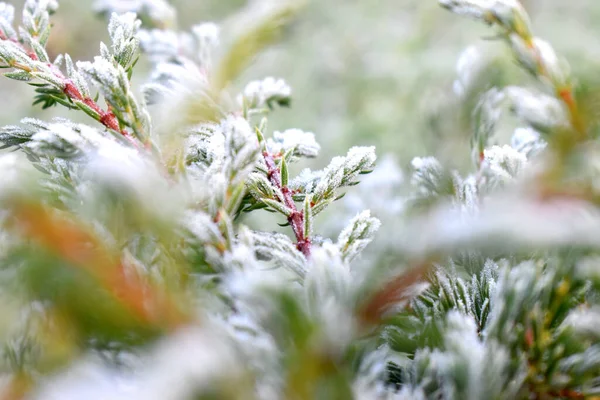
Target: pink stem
(296,219)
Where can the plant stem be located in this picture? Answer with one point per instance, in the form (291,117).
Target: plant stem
(106,117)
(296,219)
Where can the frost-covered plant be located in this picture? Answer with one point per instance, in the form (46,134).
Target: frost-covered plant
(507,248)
(128,235)
(128,271)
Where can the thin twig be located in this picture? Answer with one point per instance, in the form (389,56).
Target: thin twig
(106,117)
(296,219)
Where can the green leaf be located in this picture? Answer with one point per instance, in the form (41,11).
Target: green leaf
(19,75)
(308,216)
(87,109)
(236,198)
(276,205)
(260,137)
(255,206)
(284,172)
(130,68)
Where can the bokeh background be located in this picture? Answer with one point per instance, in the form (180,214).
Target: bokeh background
(369,72)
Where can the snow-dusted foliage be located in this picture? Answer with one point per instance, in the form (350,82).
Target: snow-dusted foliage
(128,271)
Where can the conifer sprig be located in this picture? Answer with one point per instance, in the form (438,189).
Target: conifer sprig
(26,54)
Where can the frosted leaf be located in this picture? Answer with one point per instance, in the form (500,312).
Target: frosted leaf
(306,180)
(39,7)
(556,68)
(582,363)
(7,12)
(35,27)
(331,179)
(11,52)
(114,85)
(487,363)
(122,30)
(536,55)
(516,291)
(328,274)
(65,139)
(431,178)
(261,188)
(508,13)
(370,381)
(240,147)
(585,322)
(542,112)
(468,195)
(527,141)
(104,74)
(253,288)
(16,135)
(207,39)
(485,117)
(471,8)
(266,93)
(247,284)
(237,132)
(328,288)
(207,33)
(7,15)
(242,254)
(56,134)
(358,160)
(36,123)
(424,164)
(279,248)
(342,171)
(432,183)
(302,143)
(465,367)
(202,226)
(503,163)
(357,235)
(76,76)
(257,349)
(524,53)
(468,67)
(205,145)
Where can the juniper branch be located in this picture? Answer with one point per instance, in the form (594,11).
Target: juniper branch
(68,87)
(296,218)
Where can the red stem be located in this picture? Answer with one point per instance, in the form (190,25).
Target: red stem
(296,219)
(107,118)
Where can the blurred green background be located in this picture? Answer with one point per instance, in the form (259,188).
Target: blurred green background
(371,72)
